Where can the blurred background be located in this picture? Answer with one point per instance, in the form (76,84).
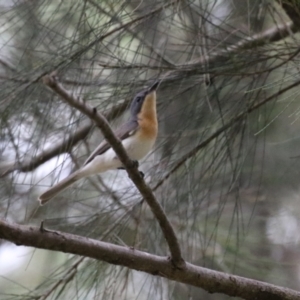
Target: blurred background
(226,163)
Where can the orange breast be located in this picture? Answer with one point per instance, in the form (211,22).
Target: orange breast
(147,118)
(148,128)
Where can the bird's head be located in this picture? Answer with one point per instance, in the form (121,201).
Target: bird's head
(144,101)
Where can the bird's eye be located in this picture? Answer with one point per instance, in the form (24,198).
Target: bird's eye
(138,99)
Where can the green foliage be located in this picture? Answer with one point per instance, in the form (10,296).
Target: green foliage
(222,164)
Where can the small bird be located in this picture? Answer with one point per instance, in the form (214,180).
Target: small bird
(138,136)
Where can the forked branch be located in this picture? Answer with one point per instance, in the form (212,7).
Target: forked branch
(133,172)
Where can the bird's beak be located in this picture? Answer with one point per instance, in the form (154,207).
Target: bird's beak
(154,86)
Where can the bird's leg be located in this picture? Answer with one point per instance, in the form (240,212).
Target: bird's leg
(135,164)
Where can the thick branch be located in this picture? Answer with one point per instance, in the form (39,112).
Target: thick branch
(211,281)
(133,173)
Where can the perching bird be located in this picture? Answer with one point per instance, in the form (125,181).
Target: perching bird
(138,136)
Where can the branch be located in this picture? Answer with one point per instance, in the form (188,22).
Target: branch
(64,146)
(78,53)
(209,280)
(133,172)
(272,34)
(83,50)
(134,34)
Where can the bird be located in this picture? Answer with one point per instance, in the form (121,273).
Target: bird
(138,136)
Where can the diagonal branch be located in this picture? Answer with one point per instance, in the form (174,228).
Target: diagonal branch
(133,172)
(64,146)
(211,59)
(209,280)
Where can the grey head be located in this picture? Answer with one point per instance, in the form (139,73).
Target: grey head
(139,98)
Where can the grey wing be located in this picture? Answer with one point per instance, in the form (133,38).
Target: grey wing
(122,133)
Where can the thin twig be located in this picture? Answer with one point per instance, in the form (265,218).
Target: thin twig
(134,34)
(20,79)
(209,280)
(8,65)
(226,126)
(292,9)
(133,172)
(78,53)
(271,35)
(64,281)
(64,146)
(257,40)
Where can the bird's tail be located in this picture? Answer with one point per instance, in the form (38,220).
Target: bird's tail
(56,189)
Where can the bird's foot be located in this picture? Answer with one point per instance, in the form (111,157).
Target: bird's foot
(135,164)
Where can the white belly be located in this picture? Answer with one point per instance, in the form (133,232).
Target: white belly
(135,148)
